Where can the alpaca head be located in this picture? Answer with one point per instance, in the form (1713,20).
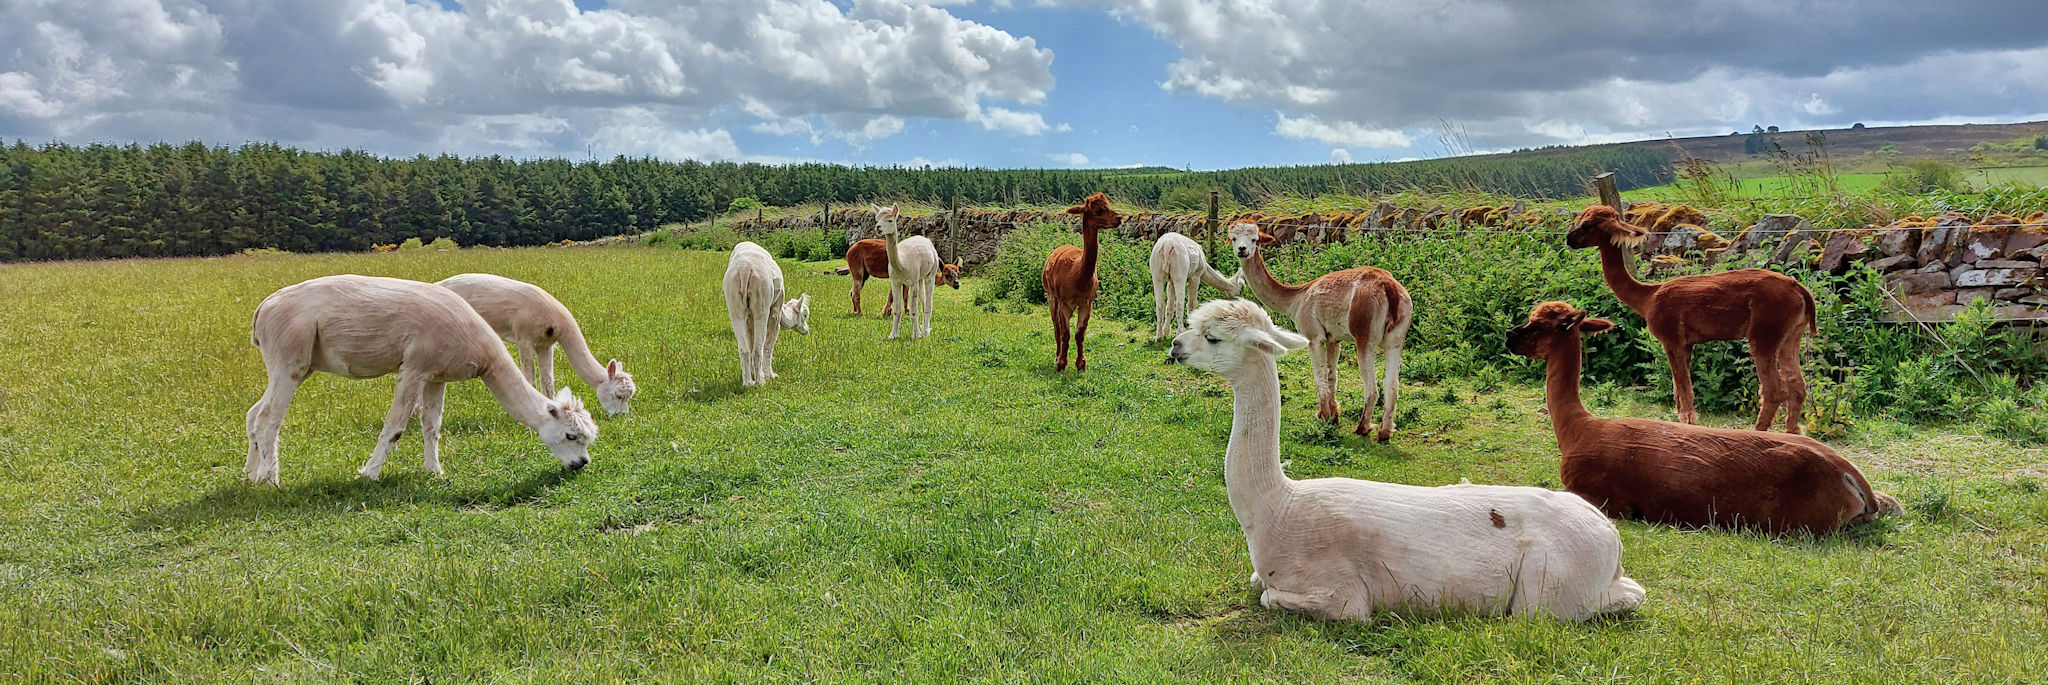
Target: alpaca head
(1549,323)
(796,314)
(615,394)
(949,274)
(1222,334)
(1096,214)
(886,218)
(568,430)
(1601,223)
(1245,237)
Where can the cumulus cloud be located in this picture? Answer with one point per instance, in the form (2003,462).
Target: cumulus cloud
(1075,159)
(1339,132)
(1021,123)
(1340,155)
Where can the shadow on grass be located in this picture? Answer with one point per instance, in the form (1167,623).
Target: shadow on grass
(240,501)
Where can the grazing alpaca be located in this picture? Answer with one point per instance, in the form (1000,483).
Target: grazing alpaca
(365,327)
(1070,281)
(534,321)
(1364,305)
(753,298)
(1683,474)
(1767,308)
(914,269)
(1340,548)
(870,258)
(1179,268)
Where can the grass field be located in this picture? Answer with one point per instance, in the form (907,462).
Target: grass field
(947,509)
(1782,186)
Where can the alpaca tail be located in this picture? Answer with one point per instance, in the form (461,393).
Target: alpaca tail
(1622,596)
(1812,321)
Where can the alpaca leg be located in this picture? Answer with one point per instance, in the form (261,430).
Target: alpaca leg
(768,353)
(1390,390)
(1081,337)
(526,367)
(857,283)
(403,402)
(1161,311)
(1681,380)
(898,293)
(1059,335)
(931,294)
(1772,391)
(889,307)
(1324,360)
(432,398)
(265,420)
(1368,373)
(545,361)
(1193,293)
(1793,383)
(765,328)
(736,309)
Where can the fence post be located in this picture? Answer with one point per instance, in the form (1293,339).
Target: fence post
(953,230)
(825,217)
(1609,195)
(1211,225)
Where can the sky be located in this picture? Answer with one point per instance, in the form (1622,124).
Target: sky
(1202,84)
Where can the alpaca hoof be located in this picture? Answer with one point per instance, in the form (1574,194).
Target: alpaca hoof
(1385,435)
(1080,365)
(367,473)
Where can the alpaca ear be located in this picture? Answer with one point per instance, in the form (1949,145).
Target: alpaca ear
(613,368)
(554,410)
(804,299)
(1595,326)
(875,208)
(1274,342)
(1076,209)
(1267,238)
(1290,339)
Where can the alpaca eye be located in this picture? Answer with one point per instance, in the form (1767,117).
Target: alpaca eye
(572,437)
(1212,339)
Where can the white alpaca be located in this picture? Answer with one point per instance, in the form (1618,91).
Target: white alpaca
(534,321)
(1179,268)
(1339,548)
(365,327)
(913,266)
(753,297)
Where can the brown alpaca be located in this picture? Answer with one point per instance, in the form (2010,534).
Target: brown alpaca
(1070,281)
(1363,305)
(1676,473)
(1767,308)
(870,259)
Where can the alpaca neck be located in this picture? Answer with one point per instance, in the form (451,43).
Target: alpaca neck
(1614,267)
(580,359)
(514,392)
(1251,465)
(783,318)
(1091,248)
(1216,280)
(1561,387)
(1269,289)
(889,246)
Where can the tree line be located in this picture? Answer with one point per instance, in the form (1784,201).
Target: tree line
(60,201)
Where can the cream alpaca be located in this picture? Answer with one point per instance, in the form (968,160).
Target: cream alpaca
(365,327)
(534,321)
(1339,548)
(913,266)
(753,298)
(1179,268)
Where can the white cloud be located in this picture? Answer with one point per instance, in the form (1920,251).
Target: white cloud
(1021,123)
(1340,155)
(1339,132)
(1075,159)
(637,132)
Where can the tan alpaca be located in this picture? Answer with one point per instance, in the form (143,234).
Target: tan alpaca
(1364,305)
(365,327)
(1340,548)
(913,269)
(534,322)
(1179,268)
(753,298)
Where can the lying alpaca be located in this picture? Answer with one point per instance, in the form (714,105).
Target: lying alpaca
(1179,268)
(1339,548)
(1683,474)
(870,258)
(753,298)
(1768,308)
(365,327)
(534,321)
(1070,280)
(1364,305)
(914,269)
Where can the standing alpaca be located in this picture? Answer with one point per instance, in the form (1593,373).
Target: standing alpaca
(1364,305)
(1070,281)
(1179,268)
(1339,548)
(870,258)
(753,298)
(365,327)
(1684,474)
(534,321)
(1767,308)
(914,269)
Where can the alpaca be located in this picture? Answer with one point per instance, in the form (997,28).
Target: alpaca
(1179,268)
(1683,474)
(1339,548)
(1070,281)
(753,298)
(1364,305)
(365,327)
(1769,309)
(914,269)
(534,321)
(870,258)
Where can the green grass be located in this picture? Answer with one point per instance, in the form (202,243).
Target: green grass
(1782,186)
(947,509)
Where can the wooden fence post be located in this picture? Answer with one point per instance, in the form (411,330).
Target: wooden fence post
(825,216)
(1211,226)
(1609,195)
(953,230)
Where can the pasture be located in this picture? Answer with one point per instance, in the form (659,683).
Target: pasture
(946,509)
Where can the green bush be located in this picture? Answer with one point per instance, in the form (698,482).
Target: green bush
(743,204)
(443,243)
(412,244)
(1924,176)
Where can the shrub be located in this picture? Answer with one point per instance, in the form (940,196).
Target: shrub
(1924,176)
(443,243)
(743,204)
(412,244)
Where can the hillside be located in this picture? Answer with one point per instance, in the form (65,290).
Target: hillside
(1910,141)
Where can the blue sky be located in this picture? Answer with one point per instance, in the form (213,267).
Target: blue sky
(1005,83)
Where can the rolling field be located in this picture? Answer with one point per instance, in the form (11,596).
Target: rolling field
(1781,186)
(940,510)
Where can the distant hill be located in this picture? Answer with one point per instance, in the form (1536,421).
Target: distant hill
(1911,141)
